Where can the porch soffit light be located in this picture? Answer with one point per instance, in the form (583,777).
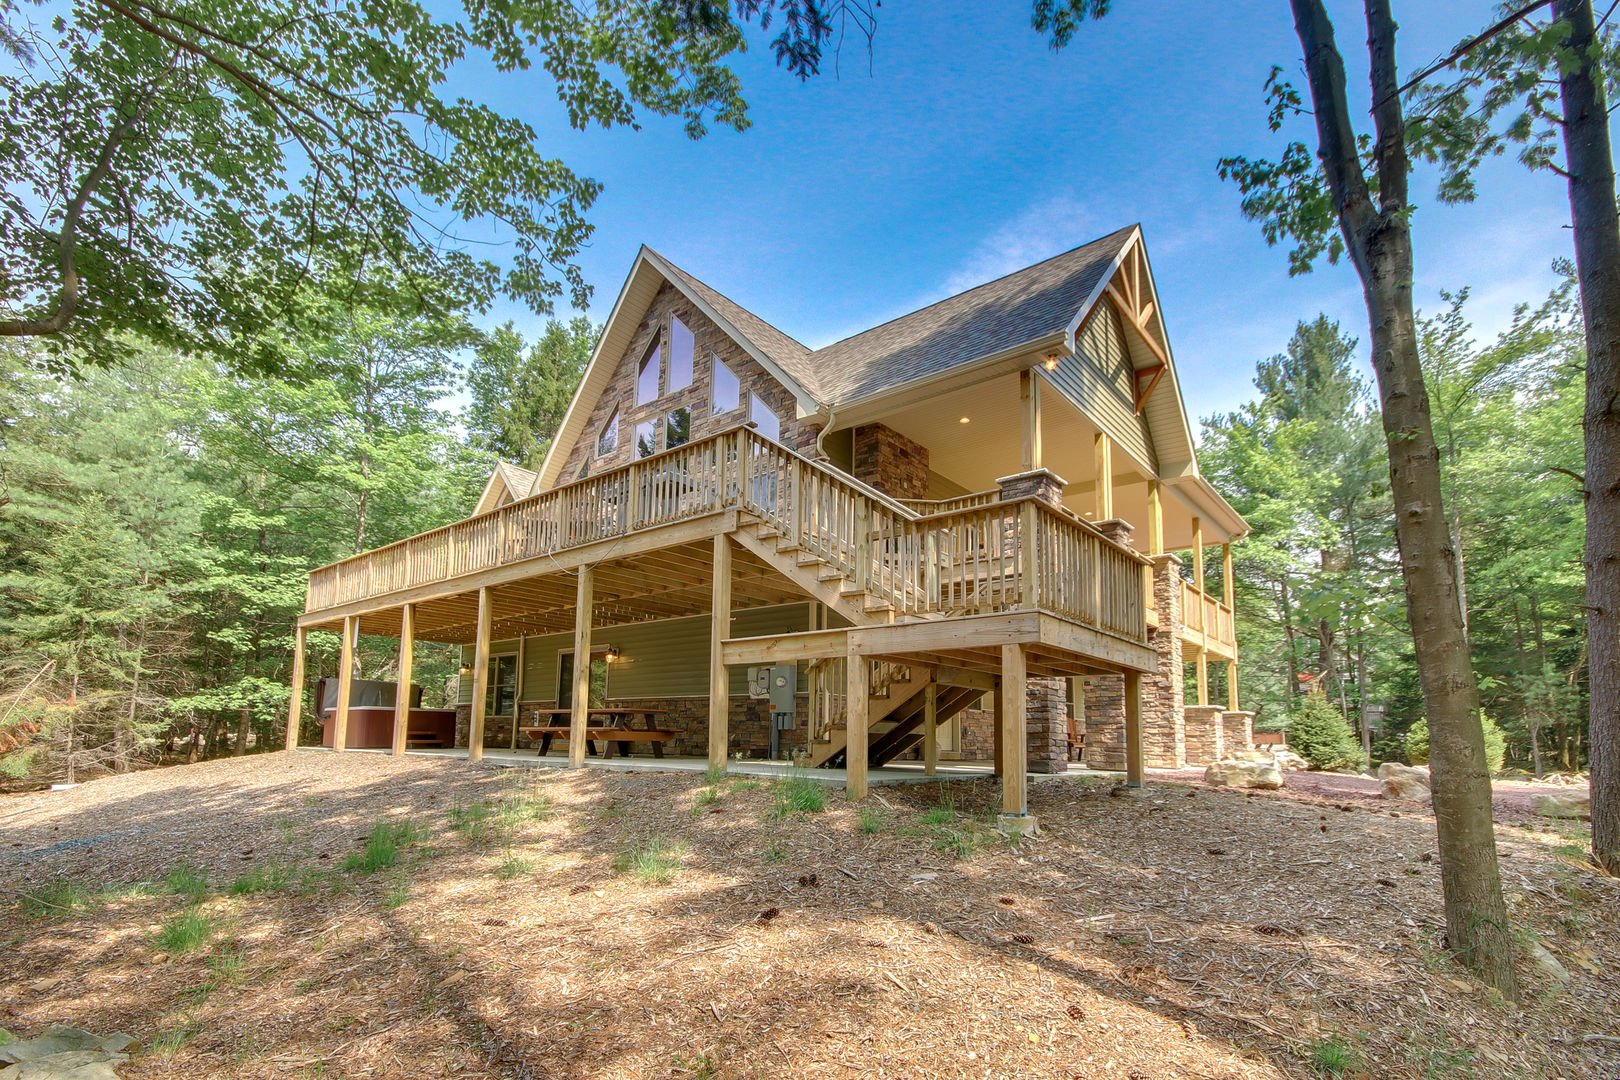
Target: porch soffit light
(965,420)
(1051,361)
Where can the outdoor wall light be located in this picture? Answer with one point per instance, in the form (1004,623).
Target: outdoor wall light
(1051,361)
(965,420)
(465,670)
(612,653)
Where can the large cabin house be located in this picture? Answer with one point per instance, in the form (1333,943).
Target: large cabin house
(951,536)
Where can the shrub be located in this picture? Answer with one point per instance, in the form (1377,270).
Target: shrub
(1320,735)
(1417,743)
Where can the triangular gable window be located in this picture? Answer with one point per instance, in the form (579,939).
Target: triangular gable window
(681,348)
(647,375)
(725,386)
(608,440)
(765,420)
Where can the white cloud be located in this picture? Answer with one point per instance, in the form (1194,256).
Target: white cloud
(1039,231)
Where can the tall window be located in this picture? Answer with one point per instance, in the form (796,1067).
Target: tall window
(726,387)
(647,375)
(680,355)
(677,428)
(760,413)
(608,441)
(646,438)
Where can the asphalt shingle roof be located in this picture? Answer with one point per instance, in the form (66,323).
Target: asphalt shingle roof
(1020,307)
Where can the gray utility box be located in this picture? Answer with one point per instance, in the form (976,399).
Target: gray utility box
(780,683)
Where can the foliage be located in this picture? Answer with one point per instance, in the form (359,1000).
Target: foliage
(1417,743)
(798,795)
(180,170)
(1321,736)
(1495,744)
(519,393)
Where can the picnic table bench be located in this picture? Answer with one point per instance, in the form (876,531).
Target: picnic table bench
(616,731)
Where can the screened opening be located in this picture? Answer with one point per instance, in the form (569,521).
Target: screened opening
(647,374)
(608,440)
(677,428)
(680,355)
(761,414)
(646,438)
(726,388)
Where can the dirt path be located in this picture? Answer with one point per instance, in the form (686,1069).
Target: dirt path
(593,924)
(1510,799)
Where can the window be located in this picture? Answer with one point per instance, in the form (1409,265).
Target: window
(501,697)
(608,441)
(761,414)
(680,355)
(646,438)
(647,374)
(677,428)
(726,387)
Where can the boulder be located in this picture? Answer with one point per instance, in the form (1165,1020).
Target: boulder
(1255,757)
(1288,761)
(1235,772)
(1562,804)
(1399,781)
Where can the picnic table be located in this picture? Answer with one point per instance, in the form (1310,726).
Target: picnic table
(611,725)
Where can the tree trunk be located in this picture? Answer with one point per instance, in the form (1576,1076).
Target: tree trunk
(1379,243)
(244,724)
(1597,261)
(1292,690)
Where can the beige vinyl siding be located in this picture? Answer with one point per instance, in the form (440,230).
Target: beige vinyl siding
(668,658)
(1099,380)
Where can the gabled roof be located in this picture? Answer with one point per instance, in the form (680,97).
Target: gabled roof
(788,354)
(516,481)
(1026,306)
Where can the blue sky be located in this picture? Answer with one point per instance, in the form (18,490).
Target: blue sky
(971,150)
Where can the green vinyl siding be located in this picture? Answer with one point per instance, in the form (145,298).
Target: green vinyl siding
(465,684)
(1100,382)
(668,658)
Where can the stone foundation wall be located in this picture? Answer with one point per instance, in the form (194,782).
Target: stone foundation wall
(1105,721)
(1205,735)
(890,462)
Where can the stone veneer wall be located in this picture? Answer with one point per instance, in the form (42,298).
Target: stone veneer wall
(708,338)
(1105,721)
(1237,728)
(1205,735)
(890,462)
(1164,740)
(1047,715)
(748,729)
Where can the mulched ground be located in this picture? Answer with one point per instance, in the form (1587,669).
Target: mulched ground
(1183,933)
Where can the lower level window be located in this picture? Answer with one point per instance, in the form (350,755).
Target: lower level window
(646,438)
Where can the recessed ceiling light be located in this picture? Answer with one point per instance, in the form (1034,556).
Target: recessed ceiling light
(964,420)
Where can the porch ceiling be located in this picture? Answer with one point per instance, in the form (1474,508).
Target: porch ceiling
(668,583)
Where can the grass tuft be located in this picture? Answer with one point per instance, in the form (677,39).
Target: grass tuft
(798,795)
(383,847)
(266,877)
(774,854)
(184,932)
(188,881)
(513,868)
(1332,1056)
(58,900)
(396,895)
(871,821)
(652,861)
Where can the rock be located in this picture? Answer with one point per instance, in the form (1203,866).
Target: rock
(1234,772)
(1403,782)
(1288,761)
(65,1053)
(1547,963)
(1257,757)
(1563,804)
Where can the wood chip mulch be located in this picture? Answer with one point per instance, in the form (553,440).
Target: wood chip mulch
(1184,932)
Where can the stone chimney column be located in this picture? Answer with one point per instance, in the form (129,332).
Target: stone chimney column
(1164,741)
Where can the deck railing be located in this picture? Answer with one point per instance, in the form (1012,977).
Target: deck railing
(960,502)
(970,559)
(1203,614)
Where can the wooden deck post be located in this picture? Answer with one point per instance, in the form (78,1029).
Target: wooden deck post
(1029,387)
(1014,729)
(295,704)
(1103,451)
(480,690)
(407,660)
(857,700)
(517,689)
(931,729)
(1203,677)
(340,719)
(1232,686)
(719,676)
(579,716)
(997,756)
(1198,563)
(1135,775)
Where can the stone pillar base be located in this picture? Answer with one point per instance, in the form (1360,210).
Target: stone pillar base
(1105,721)
(1238,729)
(1044,484)
(1046,705)
(1206,741)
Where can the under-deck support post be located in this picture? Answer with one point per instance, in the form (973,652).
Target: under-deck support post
(1231,686)
(857,700)
(1203,677)
(295,704)
(997,754)
(580,707)
(402,691)
(930,729)
(1135,774)
(719,676)
(1014,739)
(340,719)
(1155,521)
(480,690)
